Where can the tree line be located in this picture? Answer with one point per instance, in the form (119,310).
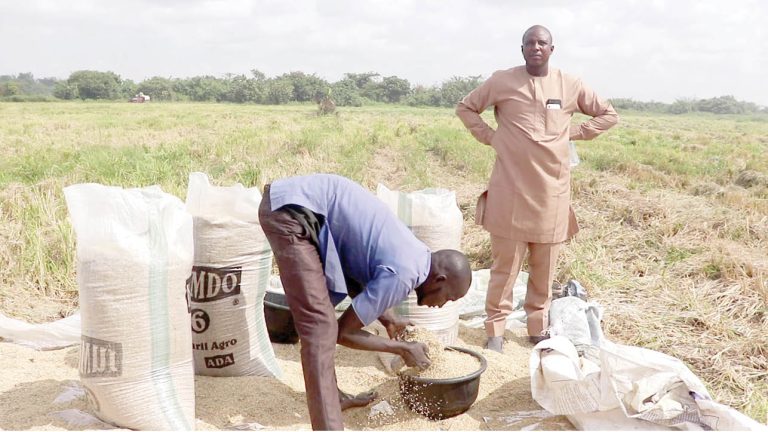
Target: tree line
(354,89)
(715,105)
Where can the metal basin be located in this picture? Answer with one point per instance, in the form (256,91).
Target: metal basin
(442,398)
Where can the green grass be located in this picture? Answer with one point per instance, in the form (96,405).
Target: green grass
(693,148)
(670,244)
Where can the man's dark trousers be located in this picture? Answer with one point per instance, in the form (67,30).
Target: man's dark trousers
(301,273)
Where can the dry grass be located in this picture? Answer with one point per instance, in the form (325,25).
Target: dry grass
(673,210)
(681,274)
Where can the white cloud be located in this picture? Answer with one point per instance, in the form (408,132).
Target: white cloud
(660,49)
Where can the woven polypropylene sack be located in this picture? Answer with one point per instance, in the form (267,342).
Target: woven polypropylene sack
(434,218)
(431,214)
(134,256)
(230,276)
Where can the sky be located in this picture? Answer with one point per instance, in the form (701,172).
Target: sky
(660,50)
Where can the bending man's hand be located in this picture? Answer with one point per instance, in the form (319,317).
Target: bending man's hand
(394,324)
(416,354)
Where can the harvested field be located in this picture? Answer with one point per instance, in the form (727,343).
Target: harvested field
(673,209)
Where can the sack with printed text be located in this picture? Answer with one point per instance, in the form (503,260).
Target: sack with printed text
(230,276)
(134,256)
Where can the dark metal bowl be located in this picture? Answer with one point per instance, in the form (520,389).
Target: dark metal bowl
(442,398)
(279,319)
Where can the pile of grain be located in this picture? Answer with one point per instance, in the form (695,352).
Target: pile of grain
(445,363)
(32,380)
(452,364)
(420,334)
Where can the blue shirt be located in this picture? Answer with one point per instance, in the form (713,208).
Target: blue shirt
(362,238)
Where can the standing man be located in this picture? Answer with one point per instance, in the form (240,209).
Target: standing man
(332,238)
(527,205)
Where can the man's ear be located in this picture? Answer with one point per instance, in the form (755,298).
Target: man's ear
(441,278)
(552,49)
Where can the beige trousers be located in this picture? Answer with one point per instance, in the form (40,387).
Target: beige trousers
(508,257)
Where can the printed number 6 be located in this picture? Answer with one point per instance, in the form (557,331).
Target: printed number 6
(200,321)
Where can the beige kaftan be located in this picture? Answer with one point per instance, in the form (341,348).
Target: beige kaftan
(528,196)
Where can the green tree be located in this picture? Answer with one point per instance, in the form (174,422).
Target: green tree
(723,105)
(454,90)
(306,87)
(258,75)
(681,106)
(425,96)
(203,88)
(128,89)
(345,93)
(652,106)
(65,90)
(9,88)
(242,89)
(157,88)
(395,88)
(361,79)
(367,85)
(95,85)
(25,84)
(373,91)
(279,91)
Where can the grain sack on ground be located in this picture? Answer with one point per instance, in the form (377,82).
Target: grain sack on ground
(434,218)
(134,256)
(230,276)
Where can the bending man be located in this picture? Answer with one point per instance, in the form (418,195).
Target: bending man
(332,238)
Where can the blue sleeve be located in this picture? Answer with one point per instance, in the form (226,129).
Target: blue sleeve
(336,298)
(383,291)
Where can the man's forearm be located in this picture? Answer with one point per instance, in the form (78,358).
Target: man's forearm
(352,335)
(388,317)
(363,340)
(595,126)
(475,124)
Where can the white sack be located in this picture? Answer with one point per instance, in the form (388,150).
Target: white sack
(230,276)
(577,320)
(558,382)
(642,384)
(432,214)
(134,256)
(47,336)
(434,218)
